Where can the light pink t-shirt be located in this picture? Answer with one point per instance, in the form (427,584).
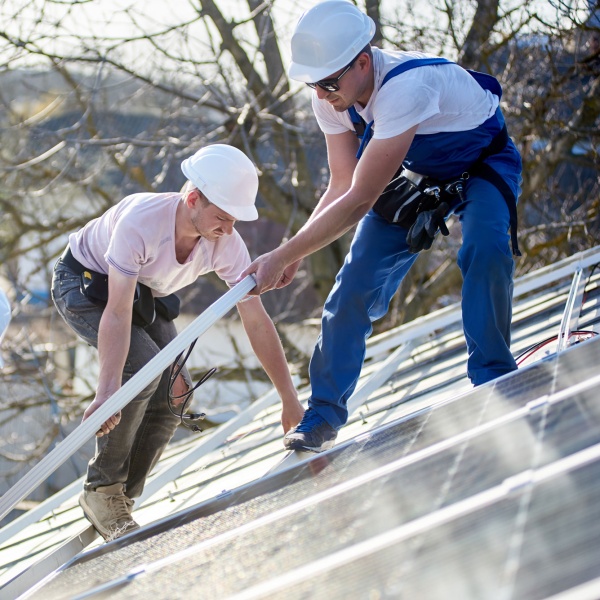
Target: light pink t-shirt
(137,237)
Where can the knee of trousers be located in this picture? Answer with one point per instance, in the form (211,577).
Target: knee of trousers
(486,257)
(142,399)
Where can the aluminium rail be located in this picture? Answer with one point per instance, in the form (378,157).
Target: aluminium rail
(119,399)
(384,343)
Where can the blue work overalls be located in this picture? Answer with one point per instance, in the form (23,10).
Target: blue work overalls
(379,259)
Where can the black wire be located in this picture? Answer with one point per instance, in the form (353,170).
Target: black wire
(174,372)
(529,351)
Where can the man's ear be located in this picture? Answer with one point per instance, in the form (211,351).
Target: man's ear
(364,61)
(193,196)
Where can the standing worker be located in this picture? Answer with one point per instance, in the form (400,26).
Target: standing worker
(437,140)
(149,246)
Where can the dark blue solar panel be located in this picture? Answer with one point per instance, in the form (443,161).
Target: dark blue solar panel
(441,458)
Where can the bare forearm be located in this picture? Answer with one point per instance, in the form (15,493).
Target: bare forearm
(267,347)
(113,345)
(269,351)
(331,194)
(365,180)
(328,223)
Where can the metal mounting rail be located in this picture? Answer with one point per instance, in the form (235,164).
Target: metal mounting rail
(570,317)
(118,400)
(382,345)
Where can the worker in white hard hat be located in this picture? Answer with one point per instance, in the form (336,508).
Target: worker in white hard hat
(114,287)
(411,138)
(5,314)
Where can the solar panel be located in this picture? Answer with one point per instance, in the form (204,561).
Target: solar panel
(494,494)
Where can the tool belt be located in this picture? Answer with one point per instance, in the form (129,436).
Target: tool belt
(94,286)
(410,194)
(421,204)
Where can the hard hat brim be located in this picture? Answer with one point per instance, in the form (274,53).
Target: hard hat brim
(239,213)
(307,74)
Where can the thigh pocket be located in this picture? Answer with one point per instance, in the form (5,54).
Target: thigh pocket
(67,291)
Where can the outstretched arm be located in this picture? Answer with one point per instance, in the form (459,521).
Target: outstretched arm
(267,347)
(333,218)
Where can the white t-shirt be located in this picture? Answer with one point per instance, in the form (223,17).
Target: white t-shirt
(438,98)
(137,237)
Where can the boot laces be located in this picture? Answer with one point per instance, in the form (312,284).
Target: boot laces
(120,506)
(310,420)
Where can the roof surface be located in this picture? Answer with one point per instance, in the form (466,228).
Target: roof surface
(434,489)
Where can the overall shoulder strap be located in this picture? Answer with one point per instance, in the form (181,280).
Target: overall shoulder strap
(364,130)
(358,122)
(413,64)
(487,82)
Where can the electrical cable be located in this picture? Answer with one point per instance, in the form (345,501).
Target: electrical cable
(532,349)
(521,358)
(186,397)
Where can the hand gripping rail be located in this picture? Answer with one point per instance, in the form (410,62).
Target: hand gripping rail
(119,399)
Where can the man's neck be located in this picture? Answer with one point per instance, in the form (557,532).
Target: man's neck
(186,236)
(366,94)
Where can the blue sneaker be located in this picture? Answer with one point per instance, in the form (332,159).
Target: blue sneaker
(312,434)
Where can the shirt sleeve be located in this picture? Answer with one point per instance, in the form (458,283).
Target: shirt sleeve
(329,120)
(126,250)
(231,258)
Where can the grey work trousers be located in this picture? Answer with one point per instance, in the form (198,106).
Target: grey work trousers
(129,452)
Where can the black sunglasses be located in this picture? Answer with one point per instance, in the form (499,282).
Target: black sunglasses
(331,84)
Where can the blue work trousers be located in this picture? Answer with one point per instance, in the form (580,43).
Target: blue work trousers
(377,262)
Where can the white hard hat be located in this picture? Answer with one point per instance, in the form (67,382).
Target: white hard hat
(227,177)
(327,38)
(5,312)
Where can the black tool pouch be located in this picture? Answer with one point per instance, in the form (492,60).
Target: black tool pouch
(408,195)
(94,286)
(167,306)
(144,311)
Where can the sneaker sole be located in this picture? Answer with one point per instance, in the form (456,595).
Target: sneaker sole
(298,445)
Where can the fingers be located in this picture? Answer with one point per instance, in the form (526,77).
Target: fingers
(288,275)
(291,415)
(250,270)
(268,271)
(109,425)
(285,280)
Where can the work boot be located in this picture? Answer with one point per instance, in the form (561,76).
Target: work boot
(312,434)
(109,510)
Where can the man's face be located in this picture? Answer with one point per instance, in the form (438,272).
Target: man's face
(343,98)
(210,221)
(355,84)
